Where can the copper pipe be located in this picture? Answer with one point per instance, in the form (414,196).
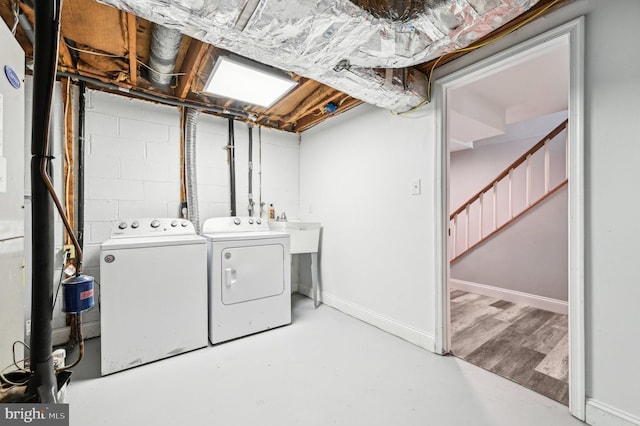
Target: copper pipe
(45,178)
(78,325)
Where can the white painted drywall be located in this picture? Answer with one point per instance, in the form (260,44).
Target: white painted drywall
(529,255)
(351,189)
(377,238)
(472,169)
(612,90)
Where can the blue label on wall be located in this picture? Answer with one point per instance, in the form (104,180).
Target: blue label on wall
(13,78)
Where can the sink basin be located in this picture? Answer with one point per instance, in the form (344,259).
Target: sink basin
(305,236)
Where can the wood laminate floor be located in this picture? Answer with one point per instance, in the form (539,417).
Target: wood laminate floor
(524,344)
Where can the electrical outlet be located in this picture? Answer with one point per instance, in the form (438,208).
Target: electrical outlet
(27,327)
(70,248)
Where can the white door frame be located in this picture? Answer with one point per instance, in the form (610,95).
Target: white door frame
(574,31)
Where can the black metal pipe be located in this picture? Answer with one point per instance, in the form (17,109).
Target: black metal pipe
(81,146)
(251,202)
(173,102)
(232,167)
(42,383)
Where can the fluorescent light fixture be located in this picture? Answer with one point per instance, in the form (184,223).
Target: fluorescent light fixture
(246,82)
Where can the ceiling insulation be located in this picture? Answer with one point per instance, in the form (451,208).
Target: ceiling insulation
(337,42)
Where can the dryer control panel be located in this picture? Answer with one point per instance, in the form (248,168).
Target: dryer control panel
(234,224)
(152,226)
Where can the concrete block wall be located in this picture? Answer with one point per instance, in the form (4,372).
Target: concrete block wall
(132,166)
(132,169)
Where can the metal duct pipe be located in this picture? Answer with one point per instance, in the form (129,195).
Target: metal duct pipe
(165,44)
(42,382)
(251,203)
(190,167)
(231,147)
(27,28)
(143,95)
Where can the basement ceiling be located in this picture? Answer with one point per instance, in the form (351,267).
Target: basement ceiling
(340,52)
(535,86)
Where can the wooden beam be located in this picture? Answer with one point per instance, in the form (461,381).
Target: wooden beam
(190,67)
(64,55)
(310,103)
(308,121)
(69,166)
(132,29)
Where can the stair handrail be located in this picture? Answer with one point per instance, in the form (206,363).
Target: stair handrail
(552,134)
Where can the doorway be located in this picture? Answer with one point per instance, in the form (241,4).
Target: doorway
(445,89)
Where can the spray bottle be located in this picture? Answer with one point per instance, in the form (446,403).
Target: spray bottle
(271,213)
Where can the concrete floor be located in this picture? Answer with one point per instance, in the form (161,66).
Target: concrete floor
(325,368)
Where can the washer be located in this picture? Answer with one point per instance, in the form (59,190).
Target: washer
(153,292)
(249,270)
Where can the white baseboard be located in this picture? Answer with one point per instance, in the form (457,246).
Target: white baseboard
(539,302)
(599,414)
(60,335)
(404,331)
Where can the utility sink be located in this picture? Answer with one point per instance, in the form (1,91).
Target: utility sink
(305,236)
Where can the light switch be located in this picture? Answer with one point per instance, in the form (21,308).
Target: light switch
(416,187)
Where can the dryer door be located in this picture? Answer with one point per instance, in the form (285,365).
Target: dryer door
(253,272)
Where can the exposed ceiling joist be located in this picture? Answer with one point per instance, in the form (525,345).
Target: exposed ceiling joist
(132,29)
(113,46)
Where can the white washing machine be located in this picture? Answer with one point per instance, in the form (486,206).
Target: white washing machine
(153,292)
(249,269)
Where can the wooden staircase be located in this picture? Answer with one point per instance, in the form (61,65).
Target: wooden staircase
(494,207)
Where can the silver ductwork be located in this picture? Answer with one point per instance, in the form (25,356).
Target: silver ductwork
(165,45)
(334,41)
(191,126)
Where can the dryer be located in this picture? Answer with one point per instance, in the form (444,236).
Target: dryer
(153,292)
(249,275)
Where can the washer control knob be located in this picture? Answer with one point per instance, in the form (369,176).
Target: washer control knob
(123,225)
(135,225)
(236,221)
(250,221)
(155,223)
(258,221)
(174,223)
(184,223)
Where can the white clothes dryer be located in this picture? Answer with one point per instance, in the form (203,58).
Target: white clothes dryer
(153,292)
(249,273)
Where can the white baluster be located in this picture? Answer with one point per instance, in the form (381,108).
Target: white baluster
(481,201)
(527,181)
(495,206)
(510,194)
(455,235)
(466,231)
